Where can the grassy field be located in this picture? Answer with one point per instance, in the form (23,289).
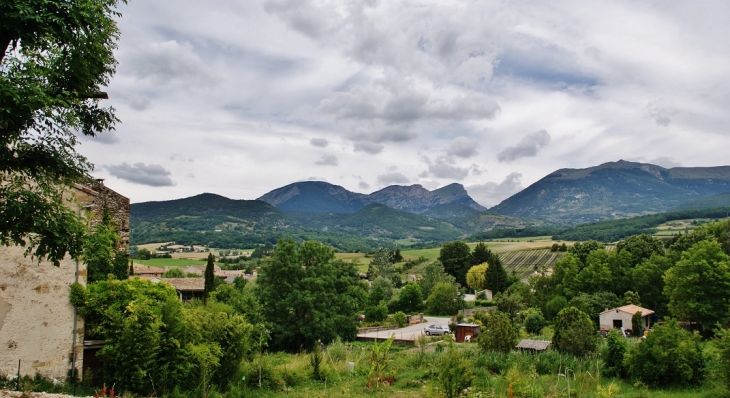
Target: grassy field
(169,262)
(676,227)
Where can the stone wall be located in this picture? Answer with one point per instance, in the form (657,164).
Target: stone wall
(38,324)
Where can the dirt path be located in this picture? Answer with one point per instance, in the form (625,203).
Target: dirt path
(18,394)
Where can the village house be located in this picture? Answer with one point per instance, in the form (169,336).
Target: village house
(40,331)
(621,317)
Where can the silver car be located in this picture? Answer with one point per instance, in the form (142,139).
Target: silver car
(436,330)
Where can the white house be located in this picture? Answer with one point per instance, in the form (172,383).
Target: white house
(621,317)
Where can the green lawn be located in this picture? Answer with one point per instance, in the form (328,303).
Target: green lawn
(169,262)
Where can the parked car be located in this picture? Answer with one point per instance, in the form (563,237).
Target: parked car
(436,330)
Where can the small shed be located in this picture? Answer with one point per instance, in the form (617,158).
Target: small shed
(465,332)
(620,317)
(533,345)
(187,288)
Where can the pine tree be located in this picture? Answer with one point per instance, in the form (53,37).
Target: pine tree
(209,277)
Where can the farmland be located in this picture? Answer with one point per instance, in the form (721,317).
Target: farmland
(523,262)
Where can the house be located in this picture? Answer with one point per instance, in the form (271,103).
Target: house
(187,288)
(621,317)
(41,331)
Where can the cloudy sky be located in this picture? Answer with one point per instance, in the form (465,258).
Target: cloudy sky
(242,97)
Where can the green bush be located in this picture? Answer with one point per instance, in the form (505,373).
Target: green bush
(376,313)
(534,322)
(454,372)
(614,354)
(499,335)
(400,318)
(574,333)
(670,355)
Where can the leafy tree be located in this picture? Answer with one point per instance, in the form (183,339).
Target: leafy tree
(614,354)
(594,304)
(555,305)
(382,289)
(583,249)
(381,265)
(54,57)
(434,274)
(697,285)
(596,276)
(534,321)
(668,356)
(209,277)
(564,274)
(648,278)
(499,334)
(631,297)
(495,278)
(476,276)
(397,256)
(641,247)
(574,333)
(513,300)
(456,258)
(563,248)
(481,254)
(444,300)
(306,295)
(722,345)
(174,273)
(410,298)
(376,312)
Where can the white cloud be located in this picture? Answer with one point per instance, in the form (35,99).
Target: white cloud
(491,193)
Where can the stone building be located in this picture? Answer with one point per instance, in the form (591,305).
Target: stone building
(38,325)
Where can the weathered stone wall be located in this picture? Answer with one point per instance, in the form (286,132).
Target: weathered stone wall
(38,325)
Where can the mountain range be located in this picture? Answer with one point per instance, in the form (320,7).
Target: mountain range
(328,212)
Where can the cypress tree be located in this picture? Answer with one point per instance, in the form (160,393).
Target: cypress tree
(209,277)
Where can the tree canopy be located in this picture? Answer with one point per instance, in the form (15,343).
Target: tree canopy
(55,56)
(456,258)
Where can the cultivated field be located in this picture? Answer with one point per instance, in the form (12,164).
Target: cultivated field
(524,262)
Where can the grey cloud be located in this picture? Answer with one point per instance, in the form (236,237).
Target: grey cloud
(392,178)
(166,63)
(153,175)
(368,147)
(363,185)
(444,167)
(327,160)
(491,193)
(463,147)
(180,158)
(528,146)
(319,142)
(661,116)
(108,137)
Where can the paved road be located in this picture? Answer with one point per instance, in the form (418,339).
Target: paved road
(409,332)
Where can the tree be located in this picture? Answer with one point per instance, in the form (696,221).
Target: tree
(596,276)
(209,277)
(381,265)
(476,276)
(583,249)
(697,285)
(648,278)
(574,333)
(381,290)
(641,247)
(434,274)
(456,258)
(54,58)
(481,254)
(454,373)
(722,345)
(534,321)
(397,257)
(614,354)
(636,329)
(306,295)
(410,298)
(668,356)
(444,300)
(499,334)
(631,297)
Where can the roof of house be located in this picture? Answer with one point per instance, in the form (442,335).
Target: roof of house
(630,309)
(186,284)
(145,269)
(537,345)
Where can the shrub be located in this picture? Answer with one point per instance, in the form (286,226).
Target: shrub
(555,305)
(534,322)
(376,313)
(337,350)
(574,333)
(670,355)
(454,372)
(400,318)
(499,335)
(614,353)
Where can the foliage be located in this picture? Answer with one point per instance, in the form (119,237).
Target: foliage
(456,258)
(574,333)
(433,274)
(499,334)
(174,273)
(636,328)
(379,367)
(209,277)
(614,354)
(648,278)
(410,298)
(315,361)
(495,278)
(722,345)
(444,300)
(376,312)
(476,276)
(697,285)
(668,356)
(400,318)
(555,305)
(454,372)
(534,321)
(631,297)
(54,57)
(101,253)
(594,304)
(381,265)
(306,295)
(641,247)
(381,289)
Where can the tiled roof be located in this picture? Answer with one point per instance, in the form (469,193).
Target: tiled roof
(144,269)
(631,309)
(538,345)
(187,284)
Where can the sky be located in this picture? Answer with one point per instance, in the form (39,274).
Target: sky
(239,98)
